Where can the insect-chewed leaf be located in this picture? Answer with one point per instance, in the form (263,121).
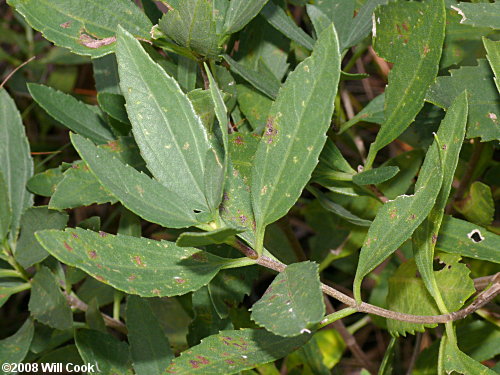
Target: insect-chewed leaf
(421,34)
(293,139)
(86,27)
(397,220)
(493,56)
(482,15)
(232,351)
(171,137)
(79,117)
(140,194)
(135,265)
(16,164)
(461,237)
(293,303)
(484,101)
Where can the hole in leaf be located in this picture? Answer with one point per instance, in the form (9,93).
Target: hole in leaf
(475,236)
(438,265)
(196,211)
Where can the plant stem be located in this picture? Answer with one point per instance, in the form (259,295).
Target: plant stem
(333,317)
(481,300)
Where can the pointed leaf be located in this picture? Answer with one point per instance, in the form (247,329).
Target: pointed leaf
(44,183)
(13,349)
(484,101)
(86,27)
(461,237)
(186,73)
(141,193)
(278,18)
(254,106)
(408,164)
(93,317)
(149,347)
(375,176)
(478,205)
(493,56)
(170,135)
(241,12)
(77,116)
(232,351)
(408,83)
(218,236)
(110,354)
(396,220)
(362,24)
(451,136)
(265,83)
(134,265)
(292,140)
(191,24)
(79,187)
(114,106)
(28,250)
(481,14)
(16,164)
(47,303)
(293,303)
(373,112)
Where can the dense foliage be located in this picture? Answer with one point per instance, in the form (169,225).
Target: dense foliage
(254,187)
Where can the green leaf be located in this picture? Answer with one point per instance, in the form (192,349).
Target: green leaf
(387,365)
(452,359)
(254,106)
(149,347)
(79,187)
(292,140)
(332,164)
(293,303)
(44,183)
(241,12)
(278,18)
(28,251)
(133,265)
(484,102)
(263,81)
(13,349)
(232,351)
(373,112)
(86,27)
(362,24)
(339,210)
(191,24)
(106,74)
(461,237)
(206,321)
(186,73)
(408,164)
(408,294)
(197,239)
(236,207)
(77,116)
(110,354)
(375,176)
(493,56)
(93,316)
(47,303)
(451,137)
(477,206)
(203,106)
(396,220)
(16,165)
(480,14)
(5,208)
(408,83)
(170,135)
(114,106)
(141,193)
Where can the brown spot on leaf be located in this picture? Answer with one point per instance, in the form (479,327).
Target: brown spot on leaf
(179,280)
(434,238)
(444,147)
(69,248)
(271,131)
(102,234)
(138,261)
(66,25)
(203,360)
(426,50)
(393,214)
(412,217)
(156,291)
(90,42)
(229,361)
(100,278)
(200,257)
(239,140)
(113,146)
(132,277)
(92,254)
(405,26)
(74,235)
(194,364)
